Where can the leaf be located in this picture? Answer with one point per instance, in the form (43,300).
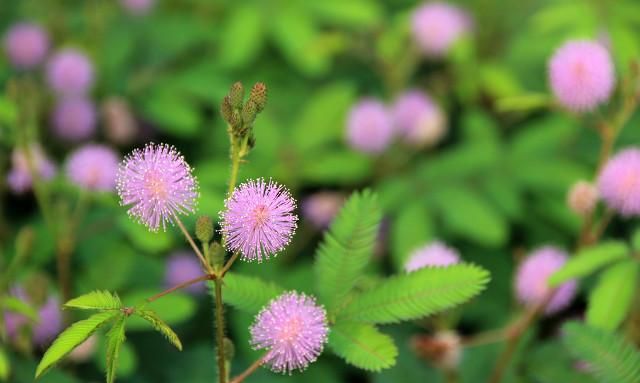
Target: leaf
(174,308)
(71,338)
(97,300)
(19,306)
(249,294)
(347,248)
(417,294)
(611,299)
(242,36)
(160,326)
(115,339)
(589,260)
(363,346)
(5,365)
(335,167)
(172,113)
(610,357)
(352,13)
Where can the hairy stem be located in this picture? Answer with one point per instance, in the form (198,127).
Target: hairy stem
(206,277)
(195,248)
(250,370)
(222,375)
(227,265)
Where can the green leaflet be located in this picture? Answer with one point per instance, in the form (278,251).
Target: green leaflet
(611,358)
(417,294)
(5,365)
(589,260)
(98,300)
(346,248)
(115,339)
(18,306)
(249,294)
(71,338)
(611,299)
(160,326)
(363,346)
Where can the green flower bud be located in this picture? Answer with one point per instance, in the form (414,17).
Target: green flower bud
(226,109)
(217,254)
(236,95)
(259,95)
(204,229)
(229,349)
(249,112)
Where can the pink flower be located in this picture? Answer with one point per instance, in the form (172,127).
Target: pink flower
(532,275)
(320,208)
(93,167)
(157,183)
(26,45)
(74,119)
(258,219)
(581,75)
(369,127)
(418,119)
(48,323)
(619,182)
(437,26)
(70,73)
(137,7)
(182,267)
(434,254)
(293,328)
(19,177)
(582,197)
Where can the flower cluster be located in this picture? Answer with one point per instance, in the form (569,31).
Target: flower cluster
(181,267)
(48,322)
(433,254)
(93,167)
(23,163)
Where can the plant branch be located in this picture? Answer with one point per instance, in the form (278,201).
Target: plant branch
(206,277)
(250,370)
(222,375)
(195,248)
(227,265)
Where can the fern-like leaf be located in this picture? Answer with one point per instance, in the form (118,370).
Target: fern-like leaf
(363,346)
(96,300)
(160,326)
(610,357)
(611,299)
(71,338)
(589,260)
(417,294)
(248,294)
(115,339)
(347,248)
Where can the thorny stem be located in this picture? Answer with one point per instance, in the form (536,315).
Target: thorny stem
(250,370)
(195,248)
(206,277)
(222,375)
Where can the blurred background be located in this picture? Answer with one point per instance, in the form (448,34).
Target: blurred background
(487,171)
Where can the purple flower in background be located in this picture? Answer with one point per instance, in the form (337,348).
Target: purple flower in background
(532,275)
(70,73)
(26,45)
(85,350)
(619,182)
(369,126)
(437,26)
(293,328)
(582,197)
(434,254)
(19,177)
(581,75)
(181,267)
(258,219)
(157,183)
(137,7)
(74,119)
(418,119)
(320,208)
(47,325)
(93,167)
(120,126)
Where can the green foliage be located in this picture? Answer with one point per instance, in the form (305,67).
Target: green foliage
(346,248)
(363,346)
(611,299)
(417,294)
(159,325)
(174,308)
(610,357)
(5,365)
(71,338)
(115,339)
(96,300)
(589,260)
(16,305)
(249,294)
(411,228)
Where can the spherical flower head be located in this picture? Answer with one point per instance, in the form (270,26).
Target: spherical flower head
(320,208)
(582,197)
(93,167)
(619,182)
(581,75)
(444,349)
(19,178)
(74,119)
(70,73)
(258,220)
(293,329)
(435,254)
(26,45)
(158,185)
(119,123)
(182,267)
(419,120)
(437,26)
(137,7)
(532,276)
(49,322)
(369,127)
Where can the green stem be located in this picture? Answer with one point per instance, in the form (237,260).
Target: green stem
(222,375)
(195,248)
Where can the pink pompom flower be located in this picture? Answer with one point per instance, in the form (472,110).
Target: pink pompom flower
(531,282)
(581,75)
(293,329)
(419,120)
(258,220)
(369,126)
(619,182)
(19,178)
(70,73)
(26,45)
(137,7)
(158,185)
(93,167)
(435,254)
(182,267)
(48,323)
(320,208)
(74,119)
(437,26)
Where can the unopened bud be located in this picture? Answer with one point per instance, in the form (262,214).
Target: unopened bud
(204,229)
(444,349)
(582,198)
(229,349)
(236,95)
(226,109)
(259,95)
(217,253)
(249,112)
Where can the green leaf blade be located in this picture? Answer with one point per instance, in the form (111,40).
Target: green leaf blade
(248,294)
(16,305)
(611,299)
(363,346)
(115,339)
(96,300)
(589,260)
(160,326)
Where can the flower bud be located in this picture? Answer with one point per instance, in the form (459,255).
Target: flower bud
(249,112)
(236,95)
(217,254)
(226,109)
(229,349)
(204,229)
(582,197)
(259,95)
(444,349)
